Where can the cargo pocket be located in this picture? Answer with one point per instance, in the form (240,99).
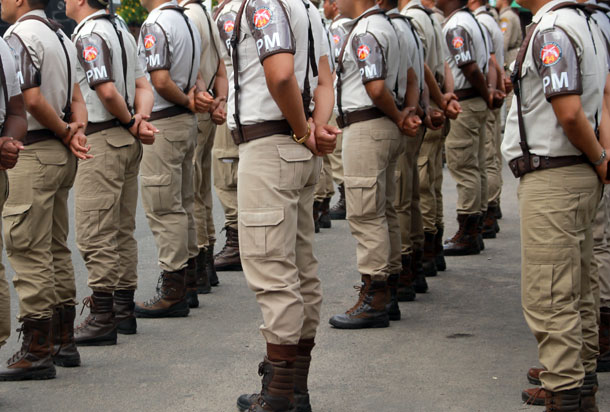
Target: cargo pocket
(260,233)
(362,197)
(49,161)
(93,216)
(227,176)
(549,280)
(16,227)
(155,194)
(292,166)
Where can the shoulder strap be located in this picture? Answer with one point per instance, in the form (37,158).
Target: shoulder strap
(415,35)
(56,27)
(340,60)
(311,63)
(111,19)
(516,78)
(482,35)
(209,20)
(219,9)
(188,25)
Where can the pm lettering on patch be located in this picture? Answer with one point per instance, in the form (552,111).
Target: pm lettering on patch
(270,26)
(460,46)
(369,57)
(557,63)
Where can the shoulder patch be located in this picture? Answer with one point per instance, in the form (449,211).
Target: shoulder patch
(156,49)
(369,57)
(28,74)
(226,25)
(503,24)
(460,46)
(270,26)
(95,59)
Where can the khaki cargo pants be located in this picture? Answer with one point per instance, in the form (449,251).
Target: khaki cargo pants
(335,158)
(493,157)
(465,151)
(601,248)
(370,152)
(430,171)
(5,296)
(202,166)
(407,200)
(35,220)
(106,197)
(166,176)
(557,207)
(225,161)
(325,187)
(276,181)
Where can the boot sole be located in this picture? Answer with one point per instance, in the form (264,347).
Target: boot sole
(533,380)
(337,216)
(67,362)
(489,235)
(229,268)
(179,310)
(526,399)
(106,342)
(130,327)
(603,366)
(380,323)
(461,252)
(37,375)
(394,316)
(440,263)
(127,331)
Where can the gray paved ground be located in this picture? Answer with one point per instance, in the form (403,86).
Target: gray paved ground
(463,346)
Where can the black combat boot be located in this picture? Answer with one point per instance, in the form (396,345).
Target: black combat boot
(392,306)
(439,255)
(209,266)
(99,328)
(324,219)
(203,280)
(191,283)
(419,282)
(33,361)
(465,241)
(490,223)
(301,375)
(428,261)
(587,394)
(170,299)
(370,309)
(405,291)
(124,306)
(337,212)
(228,258)
(316,215)
(65,352)
(479,230)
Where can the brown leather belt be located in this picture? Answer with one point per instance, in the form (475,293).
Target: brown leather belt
(359,116)
(519,166)
(466,94)
(169,112)
(259,130)
(35,136)
(98,127)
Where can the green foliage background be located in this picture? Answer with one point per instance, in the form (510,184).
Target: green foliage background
(134,14)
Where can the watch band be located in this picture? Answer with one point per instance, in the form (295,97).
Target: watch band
(601,159)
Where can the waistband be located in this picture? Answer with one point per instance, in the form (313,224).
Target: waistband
(519,166)
(260,130)
(465,94)
(35,136)
(98,127)
(359,116)
(169,112)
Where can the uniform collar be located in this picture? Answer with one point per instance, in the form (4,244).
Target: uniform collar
(544,10)
(86,19)
(393,11)
(454,12)
(348,24)
(479,10)
(169,3)
(37,12)
(413,3)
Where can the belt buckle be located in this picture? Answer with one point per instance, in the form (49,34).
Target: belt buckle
(535,162)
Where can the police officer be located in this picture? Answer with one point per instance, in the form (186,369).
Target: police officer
(14,126)
(493,162)
(551,144)
(337,34)
(276,180)
(225,153)
(367,105)
(468,56)
(119,99)
(35,217)
(169,46)
(200,273)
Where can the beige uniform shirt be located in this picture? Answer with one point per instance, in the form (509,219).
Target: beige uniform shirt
(562,58)
(41,62)
(371,53)
(338,34)
(167,44)
(496,39)
(465,42)
(430,33)
(269,27)
(511,29)
(225,22)
(99,54)
(439,16)
(210,40)
(11,88)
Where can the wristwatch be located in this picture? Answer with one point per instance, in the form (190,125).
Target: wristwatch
(303,139)
(129,123)
(601,159)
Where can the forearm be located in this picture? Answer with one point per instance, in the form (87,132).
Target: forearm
(144,98)
(287,96)
(44,114)
(434,91)
(449,82)
(492,74)
(384,101)
(576,126)
(113,101)
(476,78)
(168,89)
(412,98)
(15,123)
(221,84)
(79,108)
(604,127)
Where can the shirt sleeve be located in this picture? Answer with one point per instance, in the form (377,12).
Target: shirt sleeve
(27,72)
(369,57)
(156,47)
(10,74)
(557,63)
(226,25)
(460,45)
(95,58)
(270,26)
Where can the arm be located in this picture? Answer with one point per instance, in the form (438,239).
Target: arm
(412,95)
(145,98)
(406,120)
(14,129)
(449,84)
(571,117)
(113,101)
(604,127)
(435,92)
(169,90)
(324,97)
(37,106)
(77,142)
(221,91)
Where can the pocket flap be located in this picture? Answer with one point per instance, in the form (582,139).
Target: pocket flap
(360,181)
(15,210)
(294,153)
(52,158)
(156,180)
(261,217)
(422,160)
(88,204)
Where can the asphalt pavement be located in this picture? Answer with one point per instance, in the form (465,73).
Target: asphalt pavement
(463,346)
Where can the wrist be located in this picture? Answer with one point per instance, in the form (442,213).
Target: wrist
(130,123)
(302,138)
(601,159)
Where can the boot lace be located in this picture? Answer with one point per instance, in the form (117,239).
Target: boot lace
(87,303)
(21,352)
(361,294)
(533,396)
(158,295)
